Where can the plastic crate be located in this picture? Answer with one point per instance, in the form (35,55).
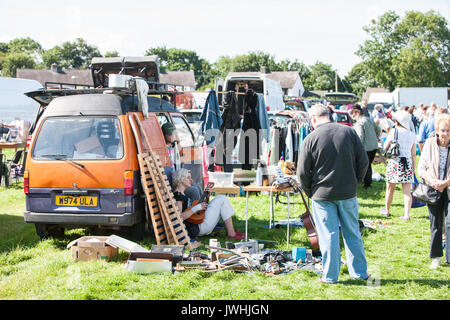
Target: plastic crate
(221,179)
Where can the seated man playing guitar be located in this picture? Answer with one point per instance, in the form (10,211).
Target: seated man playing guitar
(219,207)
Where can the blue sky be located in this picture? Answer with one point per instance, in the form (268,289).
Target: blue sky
(309,31)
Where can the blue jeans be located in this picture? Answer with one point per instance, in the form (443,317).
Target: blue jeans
(328,216)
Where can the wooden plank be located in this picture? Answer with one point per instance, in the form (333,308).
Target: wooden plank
(158,214)
(180,235)
(159,228)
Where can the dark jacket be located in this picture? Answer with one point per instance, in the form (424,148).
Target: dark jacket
(332,161)
(211,116)
(231,124)
(249,149)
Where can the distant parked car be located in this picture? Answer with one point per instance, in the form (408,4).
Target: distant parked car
(193,118)
(340,98)
(295,103)
(342,117)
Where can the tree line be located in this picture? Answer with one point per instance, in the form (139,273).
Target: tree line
(409,51)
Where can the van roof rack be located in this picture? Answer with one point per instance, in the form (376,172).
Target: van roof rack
(56,89)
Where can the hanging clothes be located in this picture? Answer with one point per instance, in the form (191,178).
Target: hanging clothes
(289,144)
(250,132)
(274,146)
(263,117)
(211,118)
(229,131)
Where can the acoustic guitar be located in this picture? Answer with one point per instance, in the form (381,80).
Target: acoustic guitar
(198,217)
(307,218)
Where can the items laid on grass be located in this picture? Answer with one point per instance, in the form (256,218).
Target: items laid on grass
(366,223)
(244,257)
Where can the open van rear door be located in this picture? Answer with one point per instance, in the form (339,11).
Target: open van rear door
(218,87)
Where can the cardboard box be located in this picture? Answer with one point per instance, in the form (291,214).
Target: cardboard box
(92,248)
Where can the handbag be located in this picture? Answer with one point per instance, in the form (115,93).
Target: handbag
(427,194)
(415,202)
(394,148)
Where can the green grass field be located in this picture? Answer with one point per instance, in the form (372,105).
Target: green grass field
(397,257)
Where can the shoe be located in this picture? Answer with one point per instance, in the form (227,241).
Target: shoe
(405,218)
(324,282)
(436,263)
(238,236)
(384,212)
(364,279)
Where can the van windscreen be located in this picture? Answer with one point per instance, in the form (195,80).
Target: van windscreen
(79,138)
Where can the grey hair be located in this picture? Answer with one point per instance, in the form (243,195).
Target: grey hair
(444,117)
(378,106)
(179,176)
(318,110)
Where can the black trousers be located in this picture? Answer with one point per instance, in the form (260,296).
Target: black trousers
(368,176)
(438,217)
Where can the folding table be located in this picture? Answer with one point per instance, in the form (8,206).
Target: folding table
(269,189)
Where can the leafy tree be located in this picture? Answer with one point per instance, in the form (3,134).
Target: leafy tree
(25,45)
(3,47)
(174,59)
(415,69)
(222,66)
(11,62)
(253,61)
(321,77)
(397,46)
(358,79)
(77,55)
(109,54)
(19,47)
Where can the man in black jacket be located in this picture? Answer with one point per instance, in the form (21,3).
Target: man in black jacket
(332,161)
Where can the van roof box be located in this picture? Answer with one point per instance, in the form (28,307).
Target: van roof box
(145,67)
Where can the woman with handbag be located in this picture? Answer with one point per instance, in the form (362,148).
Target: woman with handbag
(400,165)
(433,169)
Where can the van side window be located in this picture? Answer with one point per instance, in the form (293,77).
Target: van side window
(162,118)
(79,138)
(184,132)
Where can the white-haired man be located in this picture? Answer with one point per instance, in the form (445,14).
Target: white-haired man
(331,163)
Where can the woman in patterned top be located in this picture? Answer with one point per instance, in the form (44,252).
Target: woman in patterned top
(400,169)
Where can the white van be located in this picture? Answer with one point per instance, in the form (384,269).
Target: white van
(13,101)
(273,93)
